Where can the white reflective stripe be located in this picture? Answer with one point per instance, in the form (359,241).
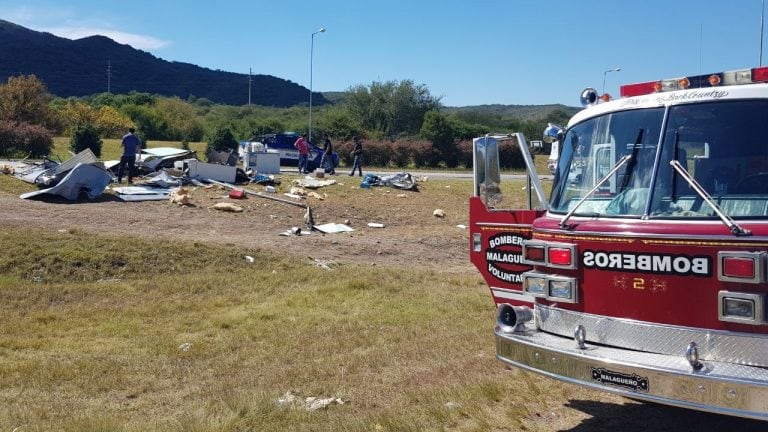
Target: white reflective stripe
(512,295)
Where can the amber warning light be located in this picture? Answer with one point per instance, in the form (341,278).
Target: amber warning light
(736,77)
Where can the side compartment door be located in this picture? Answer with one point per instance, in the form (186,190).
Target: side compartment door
(497,235)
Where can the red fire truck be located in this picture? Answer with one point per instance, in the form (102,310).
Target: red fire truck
(644,272)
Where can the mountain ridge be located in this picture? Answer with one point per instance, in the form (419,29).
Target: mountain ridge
(79,68)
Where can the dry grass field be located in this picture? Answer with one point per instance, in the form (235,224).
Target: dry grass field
(150,316)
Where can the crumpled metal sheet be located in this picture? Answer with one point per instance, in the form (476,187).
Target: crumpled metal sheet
(89,178)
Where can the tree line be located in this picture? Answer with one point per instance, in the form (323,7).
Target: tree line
(402,123)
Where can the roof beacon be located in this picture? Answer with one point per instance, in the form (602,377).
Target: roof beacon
(736,77)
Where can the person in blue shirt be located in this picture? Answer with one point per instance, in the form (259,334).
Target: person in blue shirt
(131,149)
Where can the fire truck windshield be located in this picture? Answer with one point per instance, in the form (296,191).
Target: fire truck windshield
(721,144)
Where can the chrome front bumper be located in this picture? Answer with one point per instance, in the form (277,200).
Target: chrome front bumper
(717,387)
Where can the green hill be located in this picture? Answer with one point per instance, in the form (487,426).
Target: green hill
(79,68)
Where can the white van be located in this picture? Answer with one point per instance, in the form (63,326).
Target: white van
(553,155)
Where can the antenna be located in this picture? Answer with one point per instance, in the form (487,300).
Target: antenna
(109,76)
(701,43)
(762,21)
(250,80)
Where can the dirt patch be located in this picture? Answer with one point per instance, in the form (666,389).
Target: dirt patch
(411,234)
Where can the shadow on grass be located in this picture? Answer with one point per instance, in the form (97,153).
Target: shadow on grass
(82,199)
(643,416)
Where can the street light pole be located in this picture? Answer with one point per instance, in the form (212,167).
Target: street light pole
(606,73)
(311,51)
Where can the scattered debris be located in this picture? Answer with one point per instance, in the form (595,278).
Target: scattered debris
(333,228)
(249,259)
(452,405)
(6,169)
(228,207)
(295,231)
(461,226)
(311,403)
(57,173)
(186,346)
(163,180)
(375,225)
(181,196)
(325,264)
(298,191)
(153,159)
(312,183)
(237,193)
(270,189)
(439,213)
(398,181)
(141,193)
(90,179)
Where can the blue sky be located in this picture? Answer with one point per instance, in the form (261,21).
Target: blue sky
(467,52)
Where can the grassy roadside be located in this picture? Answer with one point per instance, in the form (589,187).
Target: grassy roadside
(103,334)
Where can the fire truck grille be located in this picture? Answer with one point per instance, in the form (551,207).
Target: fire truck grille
(739,348)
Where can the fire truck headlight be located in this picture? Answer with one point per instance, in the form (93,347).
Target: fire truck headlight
(739,307)
(511,319)
(535,284)
(562,289)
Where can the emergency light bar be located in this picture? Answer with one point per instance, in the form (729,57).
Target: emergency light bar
(743,76)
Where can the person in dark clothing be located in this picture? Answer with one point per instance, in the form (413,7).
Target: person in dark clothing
(357,153)
(131,149)
(326,162)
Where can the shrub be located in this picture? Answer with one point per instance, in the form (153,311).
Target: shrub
(24,140)
(464,153)
(509,154)
(222,140)
(85,136)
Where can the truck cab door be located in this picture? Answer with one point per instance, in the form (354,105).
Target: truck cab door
(497,234)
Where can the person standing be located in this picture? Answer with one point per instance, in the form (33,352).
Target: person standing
(357,153)
(131,149)
(302,145)
(327,160)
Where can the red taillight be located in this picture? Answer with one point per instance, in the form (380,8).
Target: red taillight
(640,89)
(559,256)
(760,74)
(738,267)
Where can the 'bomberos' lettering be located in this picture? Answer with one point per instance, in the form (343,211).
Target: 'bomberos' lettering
(681,264)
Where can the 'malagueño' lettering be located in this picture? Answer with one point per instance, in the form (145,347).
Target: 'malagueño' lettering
(648,263)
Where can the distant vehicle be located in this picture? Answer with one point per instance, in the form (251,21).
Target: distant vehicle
(553,156)
(289,156)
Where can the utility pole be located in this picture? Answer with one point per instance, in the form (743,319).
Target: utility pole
(109,76)
(250,80)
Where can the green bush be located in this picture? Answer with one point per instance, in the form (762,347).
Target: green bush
(19,139)
(85,136)
(222,140)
